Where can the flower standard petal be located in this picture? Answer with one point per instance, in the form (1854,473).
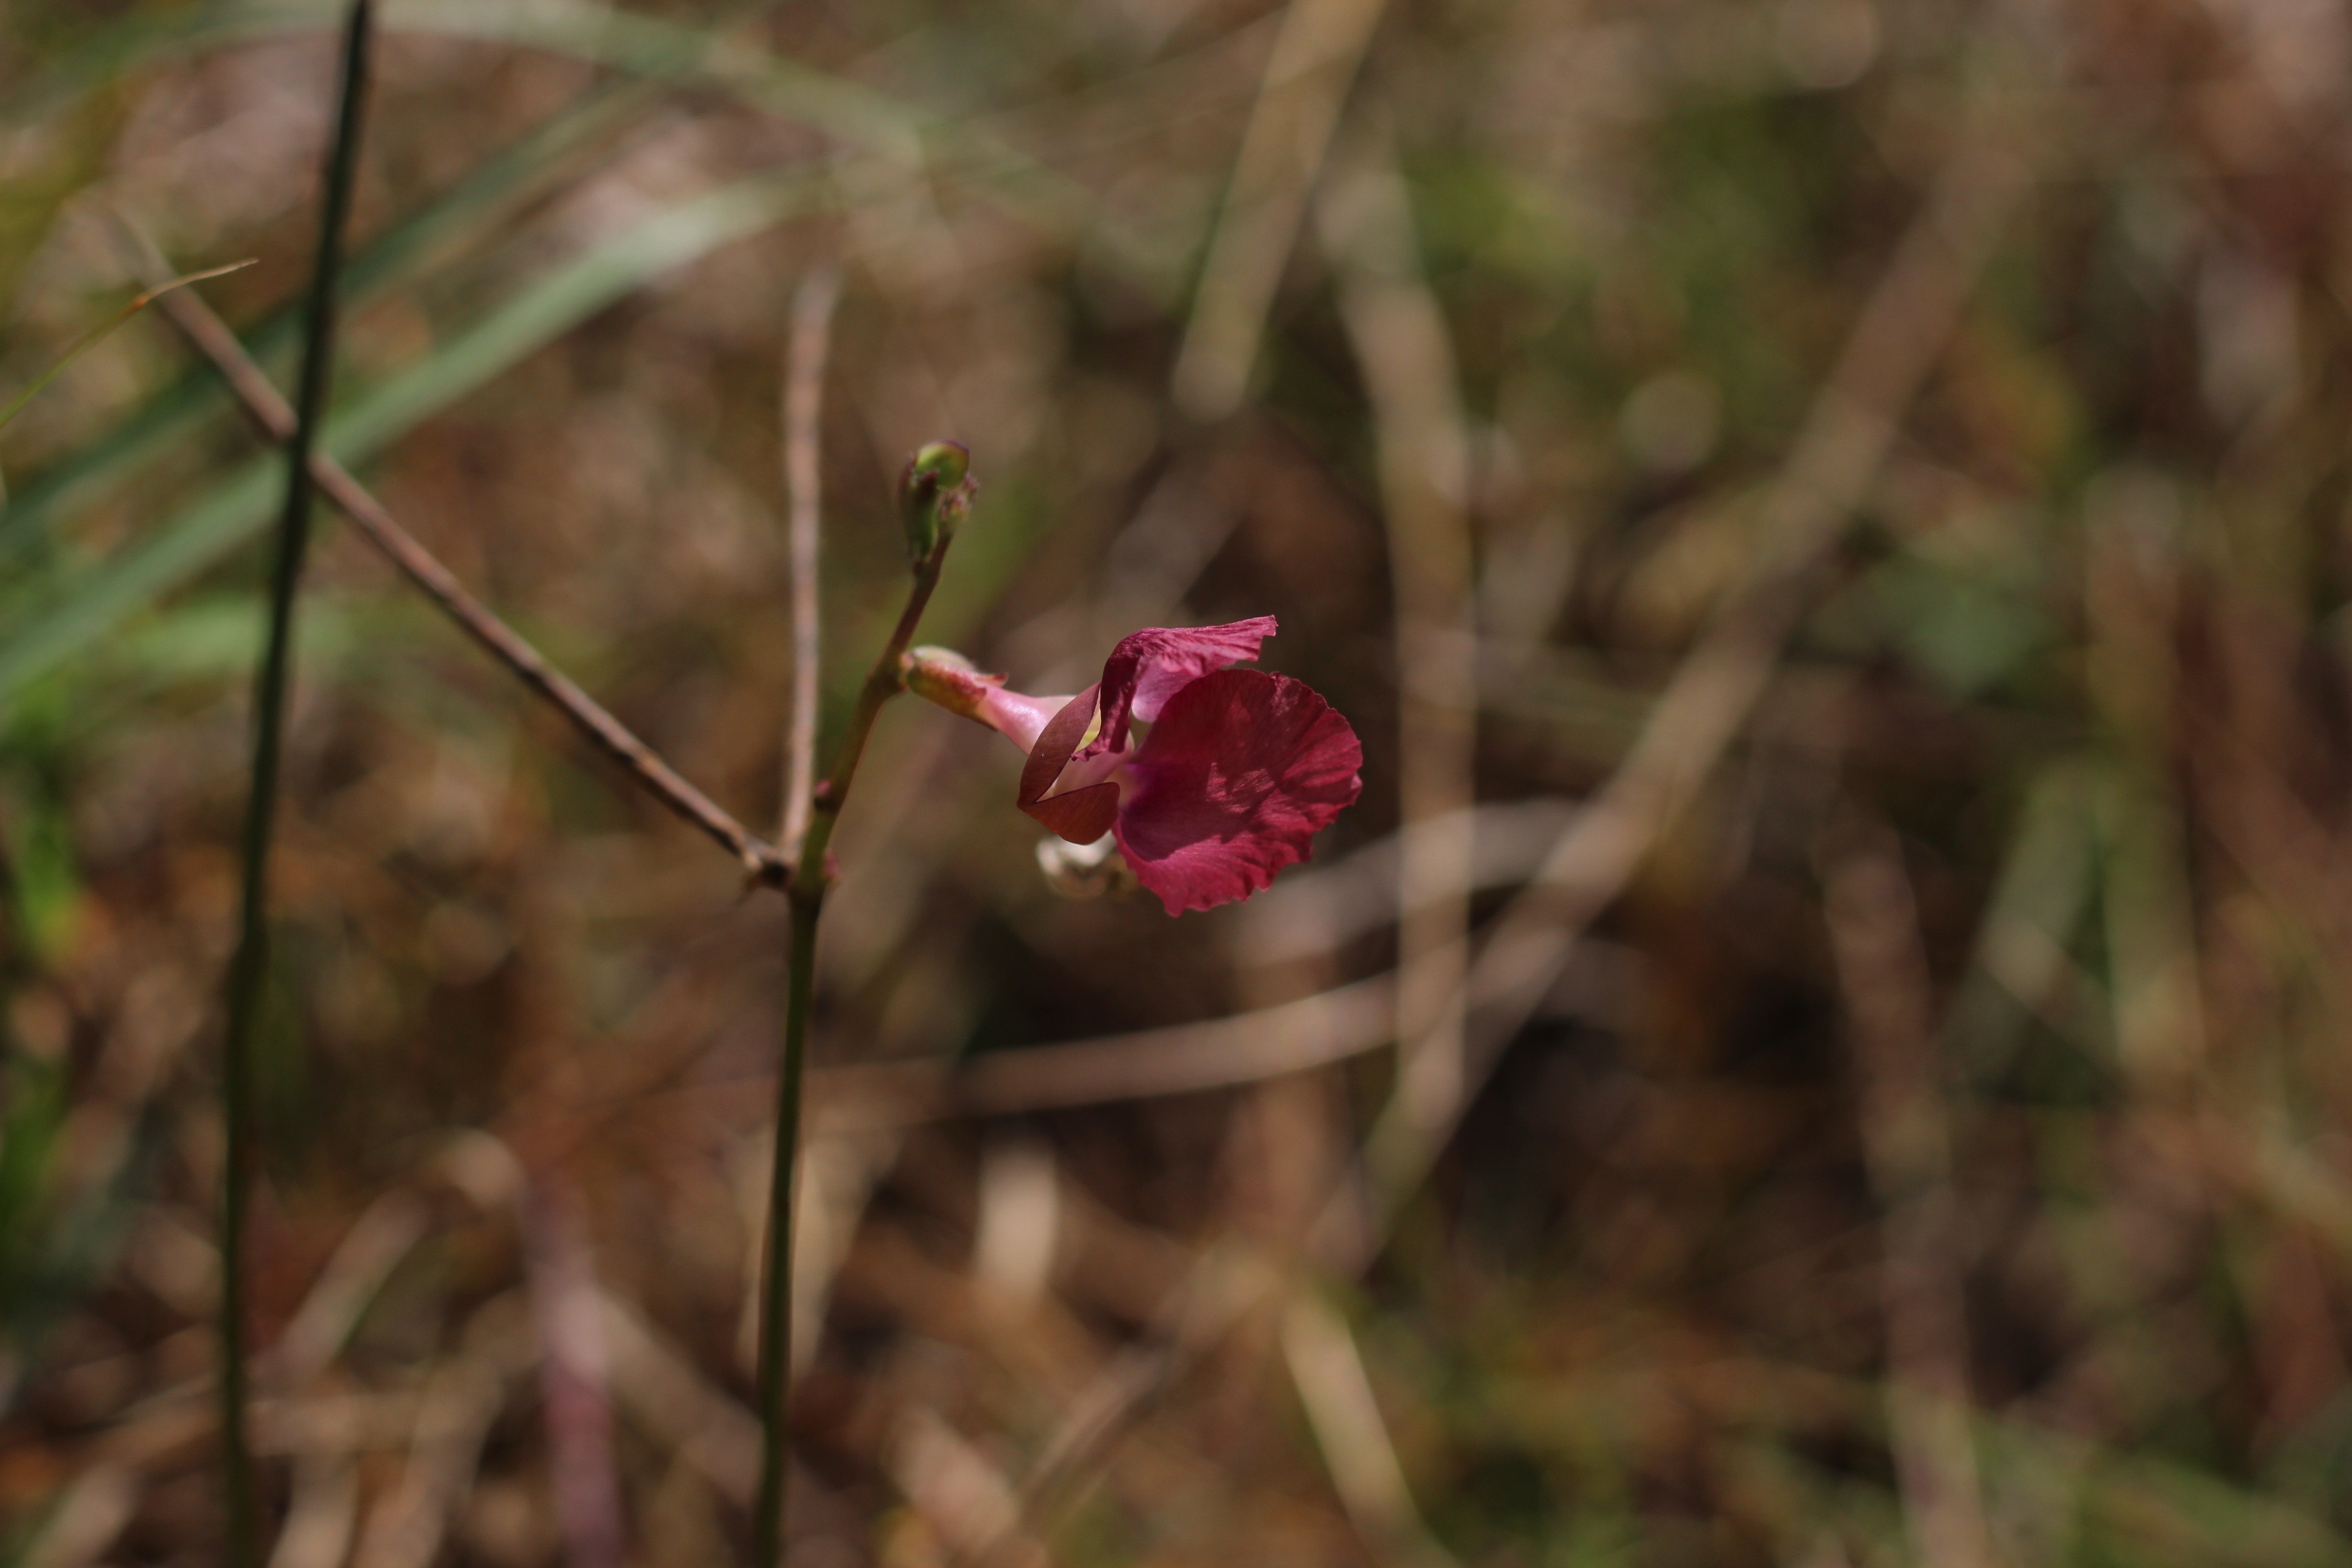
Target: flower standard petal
(1150,667)
(1240,772)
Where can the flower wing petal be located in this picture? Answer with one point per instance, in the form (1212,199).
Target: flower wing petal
(1082,815)
(1150,666)
(1241,770)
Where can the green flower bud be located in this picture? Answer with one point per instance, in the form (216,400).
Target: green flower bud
(943,676)
(934,495)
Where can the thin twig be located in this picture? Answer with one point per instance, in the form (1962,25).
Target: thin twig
(813,304)
(761,859)
(250,966)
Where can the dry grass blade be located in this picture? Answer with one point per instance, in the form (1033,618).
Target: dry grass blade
(574,1373)
(1313,63)
(690,1415)
(964,1500)
(1404,346)
(88,1516)
(1894,342)
(1906,1144)
(323,1515)
(356,1270)
(1328,1370)
(463,1397)
(139,302)
(1247,1047)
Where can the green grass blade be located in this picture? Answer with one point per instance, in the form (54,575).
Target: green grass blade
(84,606)
(648,46)
(506,179)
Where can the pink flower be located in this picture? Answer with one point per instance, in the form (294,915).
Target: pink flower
(1238,771)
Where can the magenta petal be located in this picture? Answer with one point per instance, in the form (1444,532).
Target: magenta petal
(1151,666)
(1240,772)
(1080,816)
(1050,753)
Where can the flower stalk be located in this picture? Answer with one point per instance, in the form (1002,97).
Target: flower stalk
(935,495)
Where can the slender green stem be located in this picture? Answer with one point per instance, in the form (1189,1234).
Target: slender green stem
(811,879)
(776,1301)
(883,682)
(250,968)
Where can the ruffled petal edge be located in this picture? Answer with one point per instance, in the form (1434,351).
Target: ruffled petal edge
(1240,773)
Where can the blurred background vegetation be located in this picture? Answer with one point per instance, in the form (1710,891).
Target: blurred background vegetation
(1818,1046)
